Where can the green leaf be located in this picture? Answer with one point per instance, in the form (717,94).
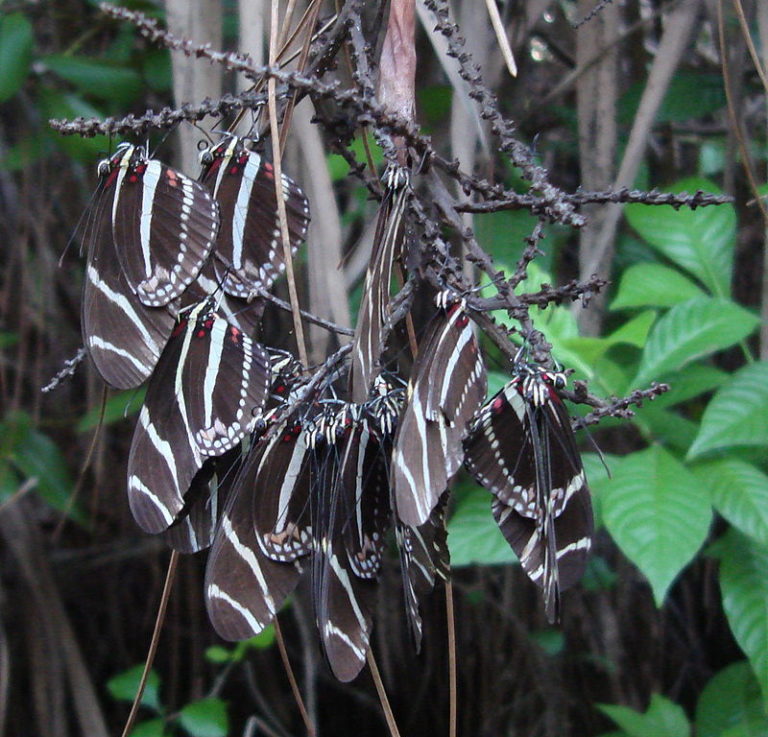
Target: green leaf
(744,587)
(740,493)
(157,69)
(124,686)
(692,329)
(117,408)
(730,700)
(16,41)
(205,718)
(664,718)
(151,728)
(691,94)
(694,380)
(635,331)
(503,234)
(653,285)
(653,508)
(35,456)
(218,654)
(668,428)
(700,241)
(473,535)
(736,414)
(101,79)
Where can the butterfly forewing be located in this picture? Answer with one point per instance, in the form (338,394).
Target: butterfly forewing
(225,382)
(124,337)
(447,385)
(249,251)
(374,305)
(243,588)
(522,449)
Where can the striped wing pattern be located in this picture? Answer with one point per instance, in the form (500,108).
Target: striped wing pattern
(164,224)
(206,393)
(522,449)
(424,557)
(124,337)
(447,386)
(343,601)
(249,250)
(243,587)
(281,482)
(374,306)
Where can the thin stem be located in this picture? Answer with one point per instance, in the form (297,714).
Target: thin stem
(381,691)
(452,680)
(159,620)
(278,169)
(292,680)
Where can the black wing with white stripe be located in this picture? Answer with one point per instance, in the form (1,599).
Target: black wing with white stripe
(124,337)
(447,386)
(522,449)
(164,224)
(207,392)
(249,249)
(368,341)
(244,589)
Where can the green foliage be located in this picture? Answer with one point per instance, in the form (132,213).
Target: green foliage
(473,534)
(731,704)
(653,508)
(29,456)
(663,718)
(16,42)
(653,285)
(125,685)
(736,415)
(206,717)
(744,586)
(699,327)
(700,241)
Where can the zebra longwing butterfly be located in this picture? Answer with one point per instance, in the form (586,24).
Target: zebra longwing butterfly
(249,250)
(244,315)
(196,524)
(522,449)
(164,224)
(124,337)
(343,590)
(206,393)
(447,386)
(424,556)
(244,589)
(374,306)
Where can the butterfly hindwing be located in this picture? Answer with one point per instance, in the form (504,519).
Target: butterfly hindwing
(249,251)
(244,589)
(164,224)
(447,385)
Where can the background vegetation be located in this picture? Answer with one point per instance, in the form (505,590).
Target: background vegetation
(668,634)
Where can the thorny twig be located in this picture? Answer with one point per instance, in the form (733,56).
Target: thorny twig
(432,207)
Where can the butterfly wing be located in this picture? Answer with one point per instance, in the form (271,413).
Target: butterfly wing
(124,337)
(164,226)
(249,251)
(243,588)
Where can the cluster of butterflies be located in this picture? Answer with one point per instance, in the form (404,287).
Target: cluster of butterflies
(239,448)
